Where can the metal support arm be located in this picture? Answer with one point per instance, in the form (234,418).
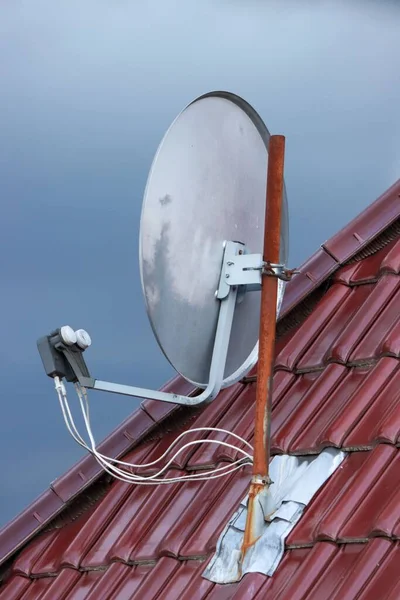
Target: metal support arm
(240,272)
(227,300)
(217,369)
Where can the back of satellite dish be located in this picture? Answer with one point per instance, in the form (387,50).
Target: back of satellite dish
(201,266)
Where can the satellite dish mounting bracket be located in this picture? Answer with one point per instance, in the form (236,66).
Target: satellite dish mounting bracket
(240,272)
(246,270)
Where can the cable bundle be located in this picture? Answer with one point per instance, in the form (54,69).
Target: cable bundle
(110,464)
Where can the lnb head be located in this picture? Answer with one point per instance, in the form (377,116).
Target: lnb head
(62,353)
(68,335)
(83,339)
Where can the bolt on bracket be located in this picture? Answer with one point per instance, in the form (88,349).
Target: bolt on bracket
(245,270)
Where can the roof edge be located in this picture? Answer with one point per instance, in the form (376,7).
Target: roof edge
(342,247)
(366,226)
(328,258)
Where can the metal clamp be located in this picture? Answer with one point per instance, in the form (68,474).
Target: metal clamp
(261,480)
(240,268)
(277,270)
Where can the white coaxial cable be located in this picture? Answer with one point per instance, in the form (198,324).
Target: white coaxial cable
(134,477)
(108,463)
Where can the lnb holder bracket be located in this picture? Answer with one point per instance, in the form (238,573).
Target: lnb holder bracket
(60,359)
(240,272)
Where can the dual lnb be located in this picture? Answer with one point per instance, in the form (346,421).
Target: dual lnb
(71,337)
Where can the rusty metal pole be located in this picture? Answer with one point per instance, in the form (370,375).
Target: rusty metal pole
(269,292)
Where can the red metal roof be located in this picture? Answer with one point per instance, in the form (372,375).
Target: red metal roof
(336,383)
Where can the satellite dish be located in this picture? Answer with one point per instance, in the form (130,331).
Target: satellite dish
(201,251)
(206,184)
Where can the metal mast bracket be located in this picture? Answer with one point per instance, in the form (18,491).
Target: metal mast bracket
(246,270)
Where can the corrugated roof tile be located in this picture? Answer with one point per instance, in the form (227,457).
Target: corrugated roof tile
(355,486)
(222,592)
(388,520)
(359,402)
(315,323)
(390,346)
(385,577)
(381,421)
(370,268)
(204,537)
(320,351)
(82,588)
(183,527)
(282,411)
(360,323)
(88,531)
(186,582)
(15,587)
(62,586)
(131,525)
(131,582)
(306,532)
(362,522)
(209,417)
(274,586)
(151,587)
(106,586)
(342,563)
(316,560)
(170,515)
(248,587)
(38,588)
(349,500)
(53,557)
(25,562)
(377,332)
(394,591)
(310,403)
(364,568)
(396,529)
(313,435)
(345,273)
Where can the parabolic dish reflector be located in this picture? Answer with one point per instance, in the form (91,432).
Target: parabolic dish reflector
(207,184)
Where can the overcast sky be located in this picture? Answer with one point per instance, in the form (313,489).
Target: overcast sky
(88,89)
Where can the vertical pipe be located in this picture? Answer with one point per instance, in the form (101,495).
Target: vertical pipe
(269,292)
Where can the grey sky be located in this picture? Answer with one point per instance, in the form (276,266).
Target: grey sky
(87,91)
